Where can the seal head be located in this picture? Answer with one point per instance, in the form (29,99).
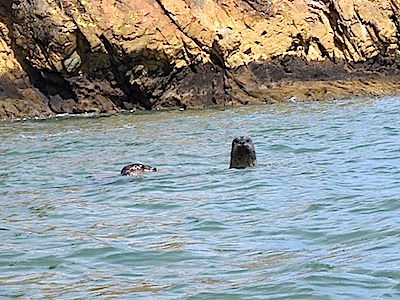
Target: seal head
(137,169)
(243,153)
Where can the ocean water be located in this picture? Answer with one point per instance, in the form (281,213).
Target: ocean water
(319,218)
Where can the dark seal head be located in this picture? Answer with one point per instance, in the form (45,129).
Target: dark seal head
(137,169)
(243,153)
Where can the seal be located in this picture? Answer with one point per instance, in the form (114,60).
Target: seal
(137,169)
(243,153)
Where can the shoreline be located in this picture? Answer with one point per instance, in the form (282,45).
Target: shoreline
(286,93)
(280,80)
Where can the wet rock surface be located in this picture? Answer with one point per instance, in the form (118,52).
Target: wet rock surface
(60,56)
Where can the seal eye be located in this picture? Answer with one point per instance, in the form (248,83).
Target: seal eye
(236,140)
(247,140)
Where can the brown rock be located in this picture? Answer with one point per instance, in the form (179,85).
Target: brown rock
(61,56)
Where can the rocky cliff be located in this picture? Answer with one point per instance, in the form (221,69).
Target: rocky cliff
(76,56)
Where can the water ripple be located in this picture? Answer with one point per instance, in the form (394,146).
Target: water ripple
(318,219)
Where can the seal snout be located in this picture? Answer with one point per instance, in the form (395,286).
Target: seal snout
(242,142)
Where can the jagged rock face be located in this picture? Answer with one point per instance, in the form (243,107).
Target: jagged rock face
(74,56)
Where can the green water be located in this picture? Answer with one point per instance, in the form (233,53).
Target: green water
(318,219)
